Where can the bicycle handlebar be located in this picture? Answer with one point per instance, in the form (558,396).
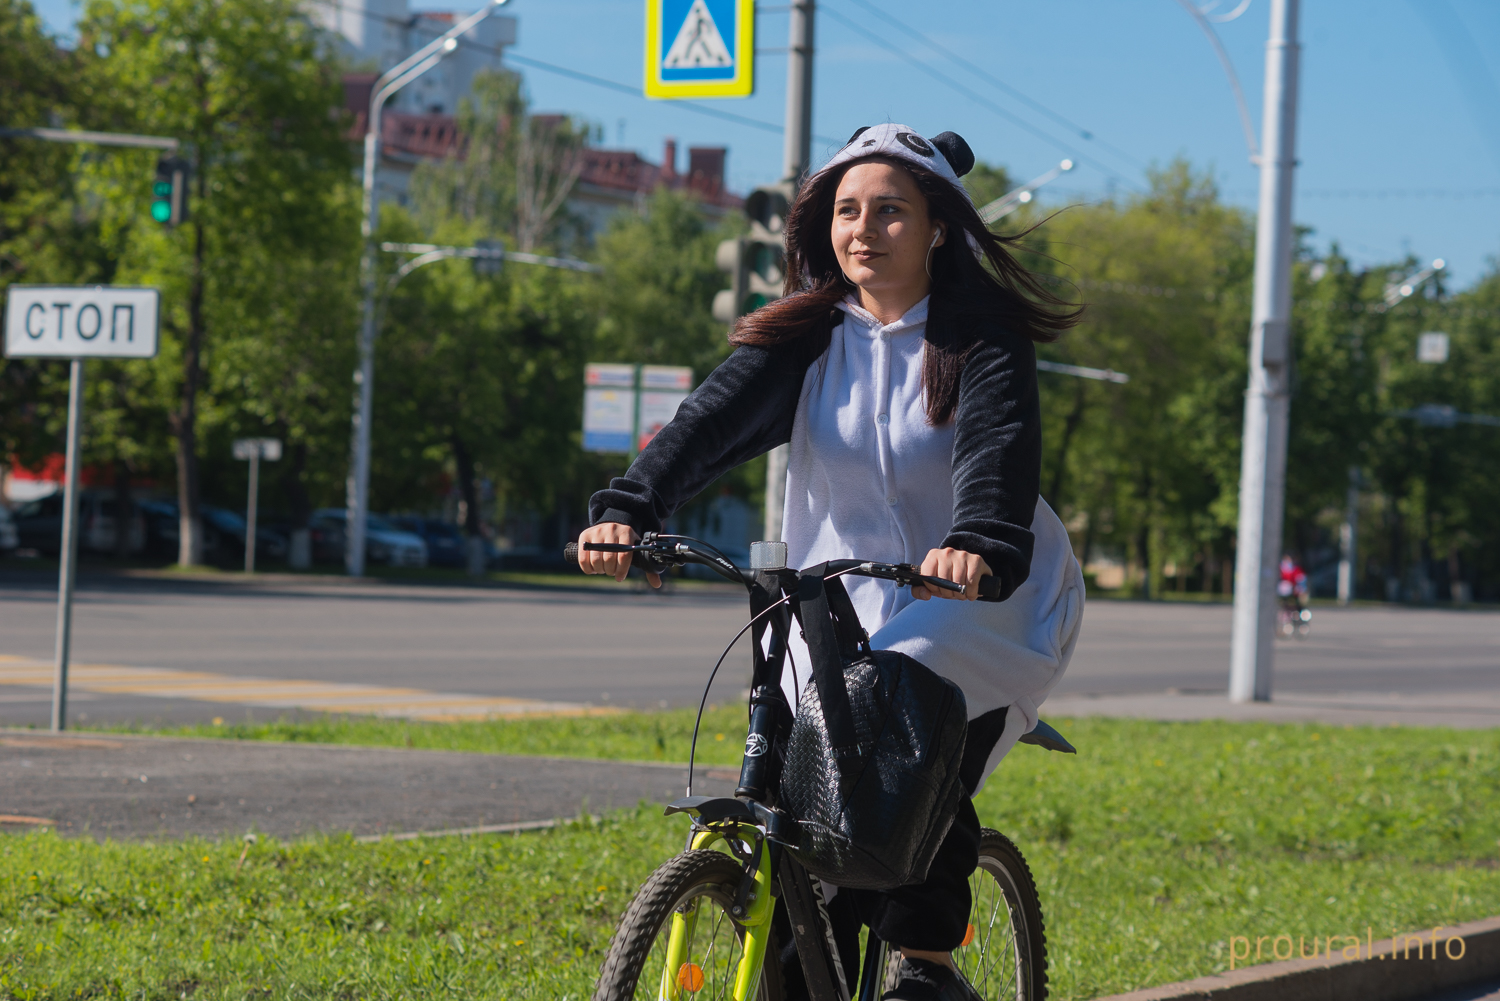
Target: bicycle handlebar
(655,555)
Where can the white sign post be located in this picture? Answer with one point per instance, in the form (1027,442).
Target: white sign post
(76,322)
(254,449)
(1432,347)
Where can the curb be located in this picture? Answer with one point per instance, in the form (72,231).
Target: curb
(1379,974)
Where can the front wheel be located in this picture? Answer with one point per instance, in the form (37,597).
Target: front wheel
(1004,955)
(643,963)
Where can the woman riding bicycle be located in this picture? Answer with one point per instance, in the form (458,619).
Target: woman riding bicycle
(900,367)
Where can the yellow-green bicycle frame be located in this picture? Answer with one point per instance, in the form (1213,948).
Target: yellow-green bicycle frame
(756,925)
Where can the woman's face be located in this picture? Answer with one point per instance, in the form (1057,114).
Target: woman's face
(881,229)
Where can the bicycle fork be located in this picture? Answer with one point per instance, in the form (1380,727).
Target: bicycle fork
(758,903)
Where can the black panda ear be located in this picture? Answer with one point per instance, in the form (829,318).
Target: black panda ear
(957,152)
(857,133)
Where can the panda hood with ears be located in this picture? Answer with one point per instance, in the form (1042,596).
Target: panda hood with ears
(945,154)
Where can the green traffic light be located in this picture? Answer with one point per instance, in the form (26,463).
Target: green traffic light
(162,189)
(161,211)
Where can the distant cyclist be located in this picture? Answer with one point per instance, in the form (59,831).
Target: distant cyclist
(1293,615)
(1293,582)
(901,368)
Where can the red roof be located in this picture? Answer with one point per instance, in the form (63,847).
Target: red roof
(436,136)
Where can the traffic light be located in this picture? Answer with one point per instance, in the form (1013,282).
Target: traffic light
(756,263)
(492,262)
(169,195)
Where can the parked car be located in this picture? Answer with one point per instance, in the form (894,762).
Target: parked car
(384,542)
(38,524)
(163,528)
(230,528)
(10,541)
(445,542)
(223,534)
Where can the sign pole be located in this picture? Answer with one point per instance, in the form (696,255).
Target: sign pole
(796,158)
(69,554)
(77,322)
(635,418)
(250,510)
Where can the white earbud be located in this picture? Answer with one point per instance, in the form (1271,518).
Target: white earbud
(930,248)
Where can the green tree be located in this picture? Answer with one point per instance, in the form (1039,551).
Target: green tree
(48,233)
(656,298)
(987,182)
(1149,467)
(511,173)
(244,85)
(481,378)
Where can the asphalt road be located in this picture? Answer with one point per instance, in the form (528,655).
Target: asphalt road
(134,787)
(633,649)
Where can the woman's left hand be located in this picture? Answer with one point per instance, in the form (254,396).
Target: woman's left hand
(957,566)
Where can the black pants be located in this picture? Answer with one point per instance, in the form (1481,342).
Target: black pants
(932,915)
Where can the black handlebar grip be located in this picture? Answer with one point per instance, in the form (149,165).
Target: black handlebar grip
(989,586)
(570,553)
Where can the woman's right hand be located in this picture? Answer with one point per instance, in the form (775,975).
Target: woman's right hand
(617,565)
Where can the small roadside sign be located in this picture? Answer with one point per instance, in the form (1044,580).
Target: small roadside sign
(663,388)
(1432,347)
(81,321)
(624,406)
(608,407)
(76,323)
(254,449)
(257,448)
(700,48)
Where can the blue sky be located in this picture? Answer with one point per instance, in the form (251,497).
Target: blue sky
(1399,134)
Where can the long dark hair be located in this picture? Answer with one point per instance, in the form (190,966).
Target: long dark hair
(964,289)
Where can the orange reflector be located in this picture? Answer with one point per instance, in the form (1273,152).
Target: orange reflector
(690,977)
(968,936)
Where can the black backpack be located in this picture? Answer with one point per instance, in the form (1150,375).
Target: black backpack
(871,770)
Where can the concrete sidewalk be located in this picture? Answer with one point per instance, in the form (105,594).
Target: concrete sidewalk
(1467,710)
(142,787)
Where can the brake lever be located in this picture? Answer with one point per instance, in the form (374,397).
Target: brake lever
(906,575)
(643,557)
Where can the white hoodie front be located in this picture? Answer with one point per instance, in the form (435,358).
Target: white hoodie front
(869,478)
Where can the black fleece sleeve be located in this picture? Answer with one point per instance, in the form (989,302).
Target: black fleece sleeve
(997,458)
(743,409)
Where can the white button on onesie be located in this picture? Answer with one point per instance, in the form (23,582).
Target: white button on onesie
(869,478)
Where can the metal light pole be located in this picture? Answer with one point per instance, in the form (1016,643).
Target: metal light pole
(1014,199)
(398,76)
(1263,455)
(797,154)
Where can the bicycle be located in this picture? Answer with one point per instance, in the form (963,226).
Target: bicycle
(703,920)
(1293,618)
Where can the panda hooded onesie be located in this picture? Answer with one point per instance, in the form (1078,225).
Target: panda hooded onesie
(869,477)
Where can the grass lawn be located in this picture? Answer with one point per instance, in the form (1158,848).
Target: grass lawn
(1151,848)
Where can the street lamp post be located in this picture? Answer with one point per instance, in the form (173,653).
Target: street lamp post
(1267,397)
(398,76)
(1012,200)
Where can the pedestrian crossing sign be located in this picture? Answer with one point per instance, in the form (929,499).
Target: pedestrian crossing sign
(700,48)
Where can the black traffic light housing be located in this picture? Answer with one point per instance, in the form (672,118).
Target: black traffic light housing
(756,263)
(169,191)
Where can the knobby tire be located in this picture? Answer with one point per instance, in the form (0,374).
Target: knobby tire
(631,971)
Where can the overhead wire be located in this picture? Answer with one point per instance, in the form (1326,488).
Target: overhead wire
(978,98)
(983,74)
(598,81)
